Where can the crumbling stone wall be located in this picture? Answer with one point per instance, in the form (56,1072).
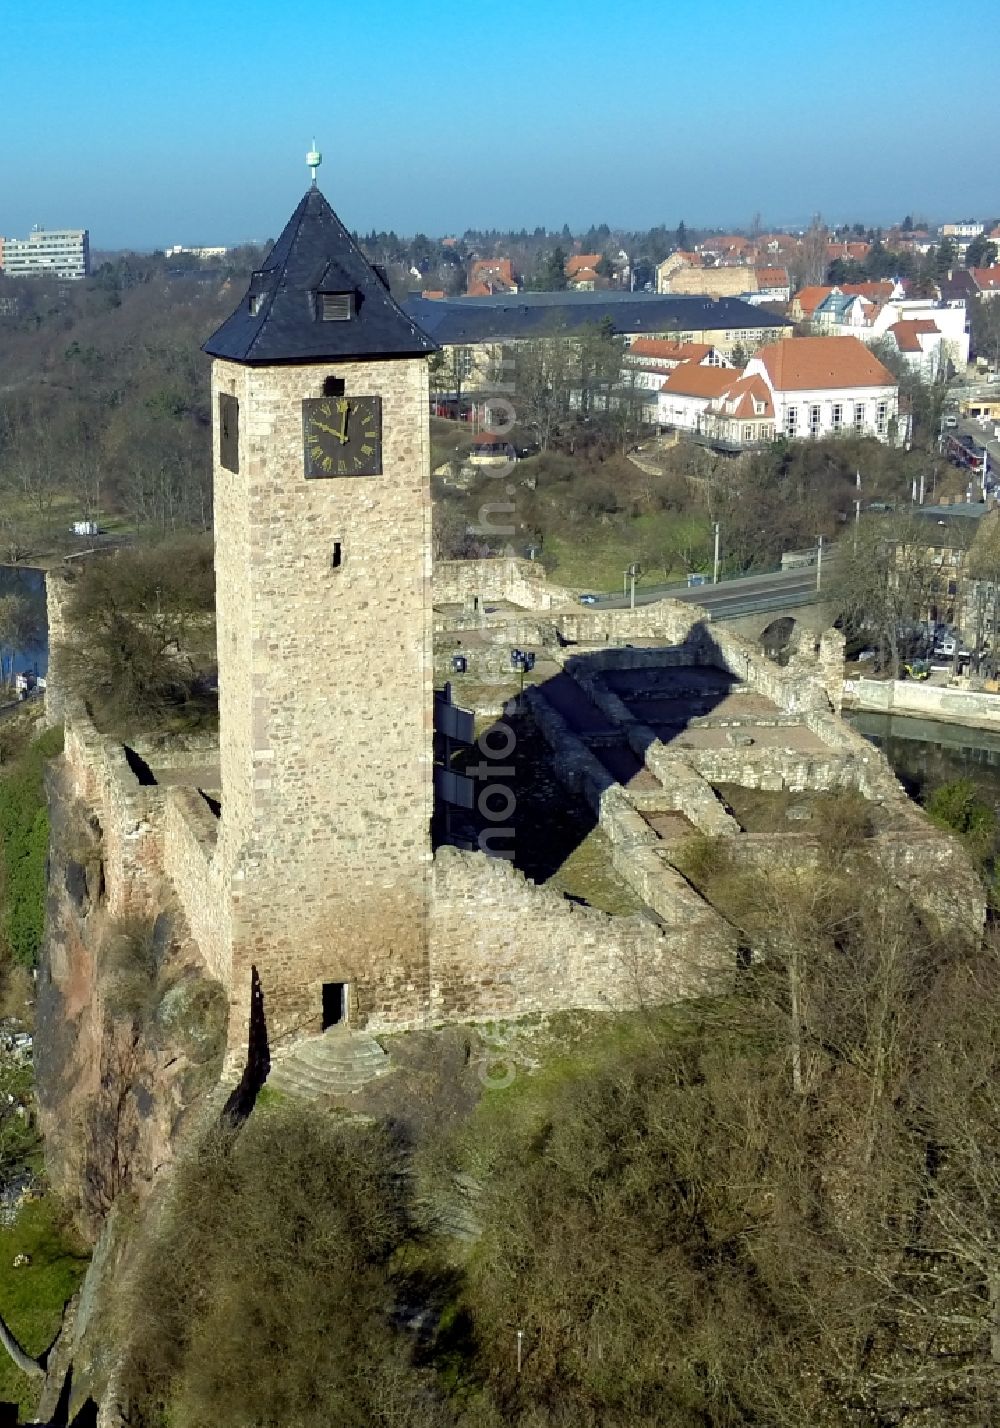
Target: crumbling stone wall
(129,814)
(521,582)
(505,948)
(190,838)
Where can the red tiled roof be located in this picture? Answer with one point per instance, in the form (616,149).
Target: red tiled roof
(879,292)
(743,392)
(855,251)
(987,280)
(674,351)
(433,293)
(810,298)
(772,277)
(814,363)
(690,380)
(581,260)
(501,268)
(907,332)
(726,243)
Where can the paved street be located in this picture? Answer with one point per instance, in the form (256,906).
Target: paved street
(739,595)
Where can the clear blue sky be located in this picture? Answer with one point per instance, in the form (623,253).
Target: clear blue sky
(186,122)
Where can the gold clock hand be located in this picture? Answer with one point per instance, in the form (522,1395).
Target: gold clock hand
(330,430)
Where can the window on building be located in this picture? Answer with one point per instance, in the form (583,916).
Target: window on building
(814,415)
(465,362)
(748,433)
(881,417)
(791,420)
(837,416)
(859,416)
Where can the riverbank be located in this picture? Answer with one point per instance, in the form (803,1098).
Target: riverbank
(946,703)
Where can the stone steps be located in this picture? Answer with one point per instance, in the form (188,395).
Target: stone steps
(338,1063)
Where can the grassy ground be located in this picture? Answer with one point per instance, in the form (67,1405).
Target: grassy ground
(595,556)
(32,1298)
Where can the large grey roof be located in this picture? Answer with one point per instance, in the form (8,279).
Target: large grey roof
(510,316)
(316,254)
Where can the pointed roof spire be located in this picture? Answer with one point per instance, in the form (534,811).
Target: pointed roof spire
(317,298)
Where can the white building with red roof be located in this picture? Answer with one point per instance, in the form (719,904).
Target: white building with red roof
(828,386)
(799,388)
(685,395)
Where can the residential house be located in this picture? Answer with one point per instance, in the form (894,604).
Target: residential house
(770,285)
(727,248)
(852,252)
(806,301)
(918,342)
(987,281)
(968,230)
(776,245)
(648,360)
(580,261)
(491,275)
(742,415)
(685,395)
(587,280)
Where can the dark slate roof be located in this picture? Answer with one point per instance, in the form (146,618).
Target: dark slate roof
(316,254)
(507,316)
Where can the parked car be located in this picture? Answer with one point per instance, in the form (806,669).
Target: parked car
(951,421)
(588,599)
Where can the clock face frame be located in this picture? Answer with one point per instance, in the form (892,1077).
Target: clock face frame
(342,436)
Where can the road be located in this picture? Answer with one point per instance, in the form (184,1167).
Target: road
(739,596)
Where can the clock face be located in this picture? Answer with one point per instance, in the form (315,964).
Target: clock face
(342,436)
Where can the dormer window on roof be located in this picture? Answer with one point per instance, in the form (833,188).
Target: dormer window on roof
(260,282)
(336,307)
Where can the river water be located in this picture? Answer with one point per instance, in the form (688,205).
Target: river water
(925,753)
(27,581)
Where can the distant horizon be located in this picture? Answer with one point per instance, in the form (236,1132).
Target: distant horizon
(153,133)
(792,228)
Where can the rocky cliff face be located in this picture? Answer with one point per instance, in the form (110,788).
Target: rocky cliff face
(130,1031)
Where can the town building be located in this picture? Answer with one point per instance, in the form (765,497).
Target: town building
(804,388)
(491,275)
(47,253)
(685,395)
(829,386)
(486,331)
(203,253)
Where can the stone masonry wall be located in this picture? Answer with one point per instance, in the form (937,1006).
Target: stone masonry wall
(521,582)
(130,815)
(189,843)
(504,947)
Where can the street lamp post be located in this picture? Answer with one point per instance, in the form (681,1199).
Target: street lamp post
(632,573)
(715,561)
(819,562)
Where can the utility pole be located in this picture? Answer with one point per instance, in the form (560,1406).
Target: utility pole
(857,520)
(715,562)
(634,570)
(819,562)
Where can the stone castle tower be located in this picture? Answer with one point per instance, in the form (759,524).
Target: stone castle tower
(323,562)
